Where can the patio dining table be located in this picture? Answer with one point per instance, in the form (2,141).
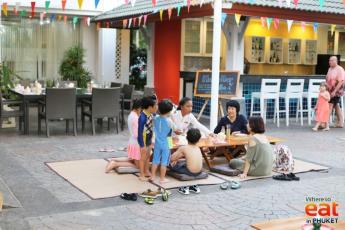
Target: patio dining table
(27,98)
(233,141)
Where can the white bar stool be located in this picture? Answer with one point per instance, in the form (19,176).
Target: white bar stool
(294,90)
(312,93)
(270,89)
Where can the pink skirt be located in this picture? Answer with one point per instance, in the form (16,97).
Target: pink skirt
(133,151)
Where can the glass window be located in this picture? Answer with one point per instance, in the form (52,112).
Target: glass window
(192,36)
(209,37)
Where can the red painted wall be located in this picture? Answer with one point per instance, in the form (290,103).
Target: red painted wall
(167,55)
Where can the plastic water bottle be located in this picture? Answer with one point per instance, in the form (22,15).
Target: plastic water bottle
(228,131)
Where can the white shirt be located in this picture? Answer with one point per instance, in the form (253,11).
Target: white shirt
(188,121)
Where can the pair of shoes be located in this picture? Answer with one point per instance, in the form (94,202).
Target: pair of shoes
(186,190)
(286,177)
(232,185)
(151,194)
(149,200)
(129,196)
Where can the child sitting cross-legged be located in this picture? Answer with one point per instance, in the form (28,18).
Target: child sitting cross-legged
(192,165)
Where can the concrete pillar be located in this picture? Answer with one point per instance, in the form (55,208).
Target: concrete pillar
(107,46)
(215,62)
(89,39)
(235,43)
(149,36)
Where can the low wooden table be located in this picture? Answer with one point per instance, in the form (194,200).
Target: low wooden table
(234,141)
(294,223)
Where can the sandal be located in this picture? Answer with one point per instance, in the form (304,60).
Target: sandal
(235,185)
(129,196)
(165,195)
(224,186)
(282,177)
(293,176)
(149,200)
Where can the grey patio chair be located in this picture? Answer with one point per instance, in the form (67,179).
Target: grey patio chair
(115,85)
(149,91)
(64,84)
(104,104)
(4,114)
(127,91)
(59,104)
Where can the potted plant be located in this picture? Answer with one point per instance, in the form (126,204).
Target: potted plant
(7,78)
(71,68)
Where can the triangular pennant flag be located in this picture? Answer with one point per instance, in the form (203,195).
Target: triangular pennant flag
(63,3)
(276,23)
(154,3)
(75,20)
(33,9)
(59,17)
(133,3)
(4,8)
(65,19)
(15,11)
(263,21)
(188,5)
(344,2)
(52,18)
(41,17)
(202,3)
(269,20)
(17,8)
(107,23)
(145,19)
(224,15)
(124,23)
(22,13)
(295,2)
(47,5)
(126,2)
(161,14)
(129,23)
(98,25)
(322,3)
(169,13)
(303,26)
(280,3)
(315,27)
(289,24)
(96,3)
(333,29)
(179,10)
(237,19)
(288,3)
(139,23)
(88,20)
(134,22)
(80,4)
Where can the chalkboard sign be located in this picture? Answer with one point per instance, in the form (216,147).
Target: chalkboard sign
(228,84)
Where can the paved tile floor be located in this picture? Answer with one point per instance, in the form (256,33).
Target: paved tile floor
(36,198)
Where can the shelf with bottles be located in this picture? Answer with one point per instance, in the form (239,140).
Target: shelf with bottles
(257,50)
(276,51)
(294,51)
(310,52)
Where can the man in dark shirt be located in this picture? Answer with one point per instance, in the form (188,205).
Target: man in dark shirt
(237,122)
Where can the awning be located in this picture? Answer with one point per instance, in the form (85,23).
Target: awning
(332,12)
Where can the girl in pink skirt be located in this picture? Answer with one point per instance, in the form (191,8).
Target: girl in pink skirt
(322,108)
(133,148)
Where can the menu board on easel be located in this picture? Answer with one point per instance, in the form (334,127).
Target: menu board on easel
(228,84)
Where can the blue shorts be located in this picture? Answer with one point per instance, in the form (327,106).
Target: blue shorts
(161,156)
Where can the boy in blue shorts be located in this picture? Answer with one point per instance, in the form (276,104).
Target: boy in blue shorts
(163,128)
(145,134)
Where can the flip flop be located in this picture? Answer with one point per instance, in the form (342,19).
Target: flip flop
(282,177)
(129,196)
(293,176)
(149,200)
(224,186)
(235,185)
(165,195)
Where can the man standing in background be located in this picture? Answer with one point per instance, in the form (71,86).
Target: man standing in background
(335,83)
